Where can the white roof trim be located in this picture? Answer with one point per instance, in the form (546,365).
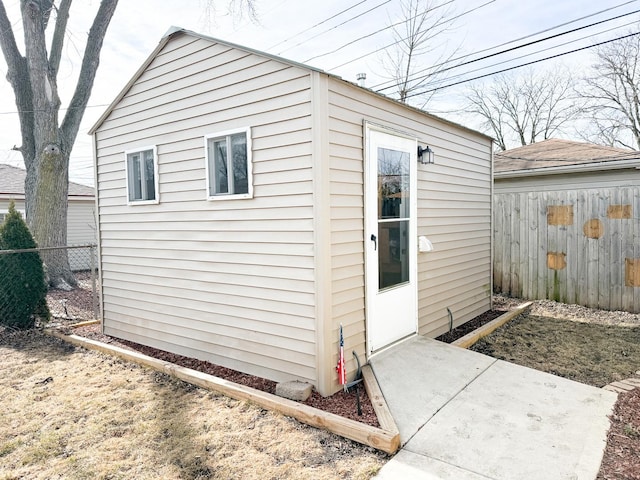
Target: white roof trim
(576,168)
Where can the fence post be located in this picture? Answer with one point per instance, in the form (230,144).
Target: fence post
(94,291)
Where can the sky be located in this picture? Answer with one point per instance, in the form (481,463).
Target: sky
(342,37)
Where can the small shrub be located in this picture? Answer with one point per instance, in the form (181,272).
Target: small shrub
(22,287)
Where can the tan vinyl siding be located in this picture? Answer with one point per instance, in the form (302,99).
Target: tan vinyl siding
(454,212)
(229,281)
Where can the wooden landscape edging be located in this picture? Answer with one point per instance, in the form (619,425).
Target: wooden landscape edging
(471,338)
(387,441)
(378,402)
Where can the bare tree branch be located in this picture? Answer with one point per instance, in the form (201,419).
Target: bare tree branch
(90,61)
(17,75)
(58,36)
(415,38)
(525,108)
(612,93)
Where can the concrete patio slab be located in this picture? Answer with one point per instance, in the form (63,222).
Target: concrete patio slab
(488,419)
(424,372)
(413,466)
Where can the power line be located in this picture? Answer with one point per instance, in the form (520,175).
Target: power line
(61,109)
(415,74)
(387,28)
(316,25)
(525,64)
(336,26)
(448,79)
(396,42)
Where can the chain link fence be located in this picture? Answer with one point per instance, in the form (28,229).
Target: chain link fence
(78,303)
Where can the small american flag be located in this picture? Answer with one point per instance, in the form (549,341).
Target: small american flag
(342,371)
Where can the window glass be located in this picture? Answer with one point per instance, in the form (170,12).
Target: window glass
(149,177)
(220,176)
(239,149)
(141,181)
(393,184)
(229,160)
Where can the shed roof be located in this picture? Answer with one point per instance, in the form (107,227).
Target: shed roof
(559,153)
(12,183)
(173,31)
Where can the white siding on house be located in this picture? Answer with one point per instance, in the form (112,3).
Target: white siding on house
(81,220)
(454,212)
(81,228)
(230,282)
(4,205)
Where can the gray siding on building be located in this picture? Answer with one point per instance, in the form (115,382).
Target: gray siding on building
(228,281)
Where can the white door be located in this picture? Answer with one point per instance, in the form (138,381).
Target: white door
(390,237)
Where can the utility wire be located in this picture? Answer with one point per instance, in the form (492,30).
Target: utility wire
(393,43)
(415,74)
(525,64)
(334,27)
(426,77)
(449,79)
(387,28)
(61,109)
(316,25)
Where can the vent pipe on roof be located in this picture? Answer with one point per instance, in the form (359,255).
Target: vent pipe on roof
(361,77)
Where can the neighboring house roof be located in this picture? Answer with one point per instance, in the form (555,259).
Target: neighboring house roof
(12,183)
(177,31)
(560,156)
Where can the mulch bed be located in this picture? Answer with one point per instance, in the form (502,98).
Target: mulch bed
(470,326)
(622,455)
(342,403)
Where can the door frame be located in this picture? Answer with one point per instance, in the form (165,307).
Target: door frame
(371,219)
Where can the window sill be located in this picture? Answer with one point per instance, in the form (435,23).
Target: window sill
(142,202)
(242,196)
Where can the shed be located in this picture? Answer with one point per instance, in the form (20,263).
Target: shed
(81,220)
(249,205)
(567,224)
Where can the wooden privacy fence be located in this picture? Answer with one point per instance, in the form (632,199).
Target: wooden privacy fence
(580,246)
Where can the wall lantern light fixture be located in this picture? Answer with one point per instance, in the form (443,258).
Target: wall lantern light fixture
(425,155)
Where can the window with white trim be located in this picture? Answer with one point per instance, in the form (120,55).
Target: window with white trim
(142,176)
(229,164)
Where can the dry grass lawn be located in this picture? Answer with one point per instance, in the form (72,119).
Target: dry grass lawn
(75,414)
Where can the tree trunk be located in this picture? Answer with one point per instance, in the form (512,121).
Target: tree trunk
(46,144)
(50,213)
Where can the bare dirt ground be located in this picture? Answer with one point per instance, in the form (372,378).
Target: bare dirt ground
(76,414)
(587,345)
